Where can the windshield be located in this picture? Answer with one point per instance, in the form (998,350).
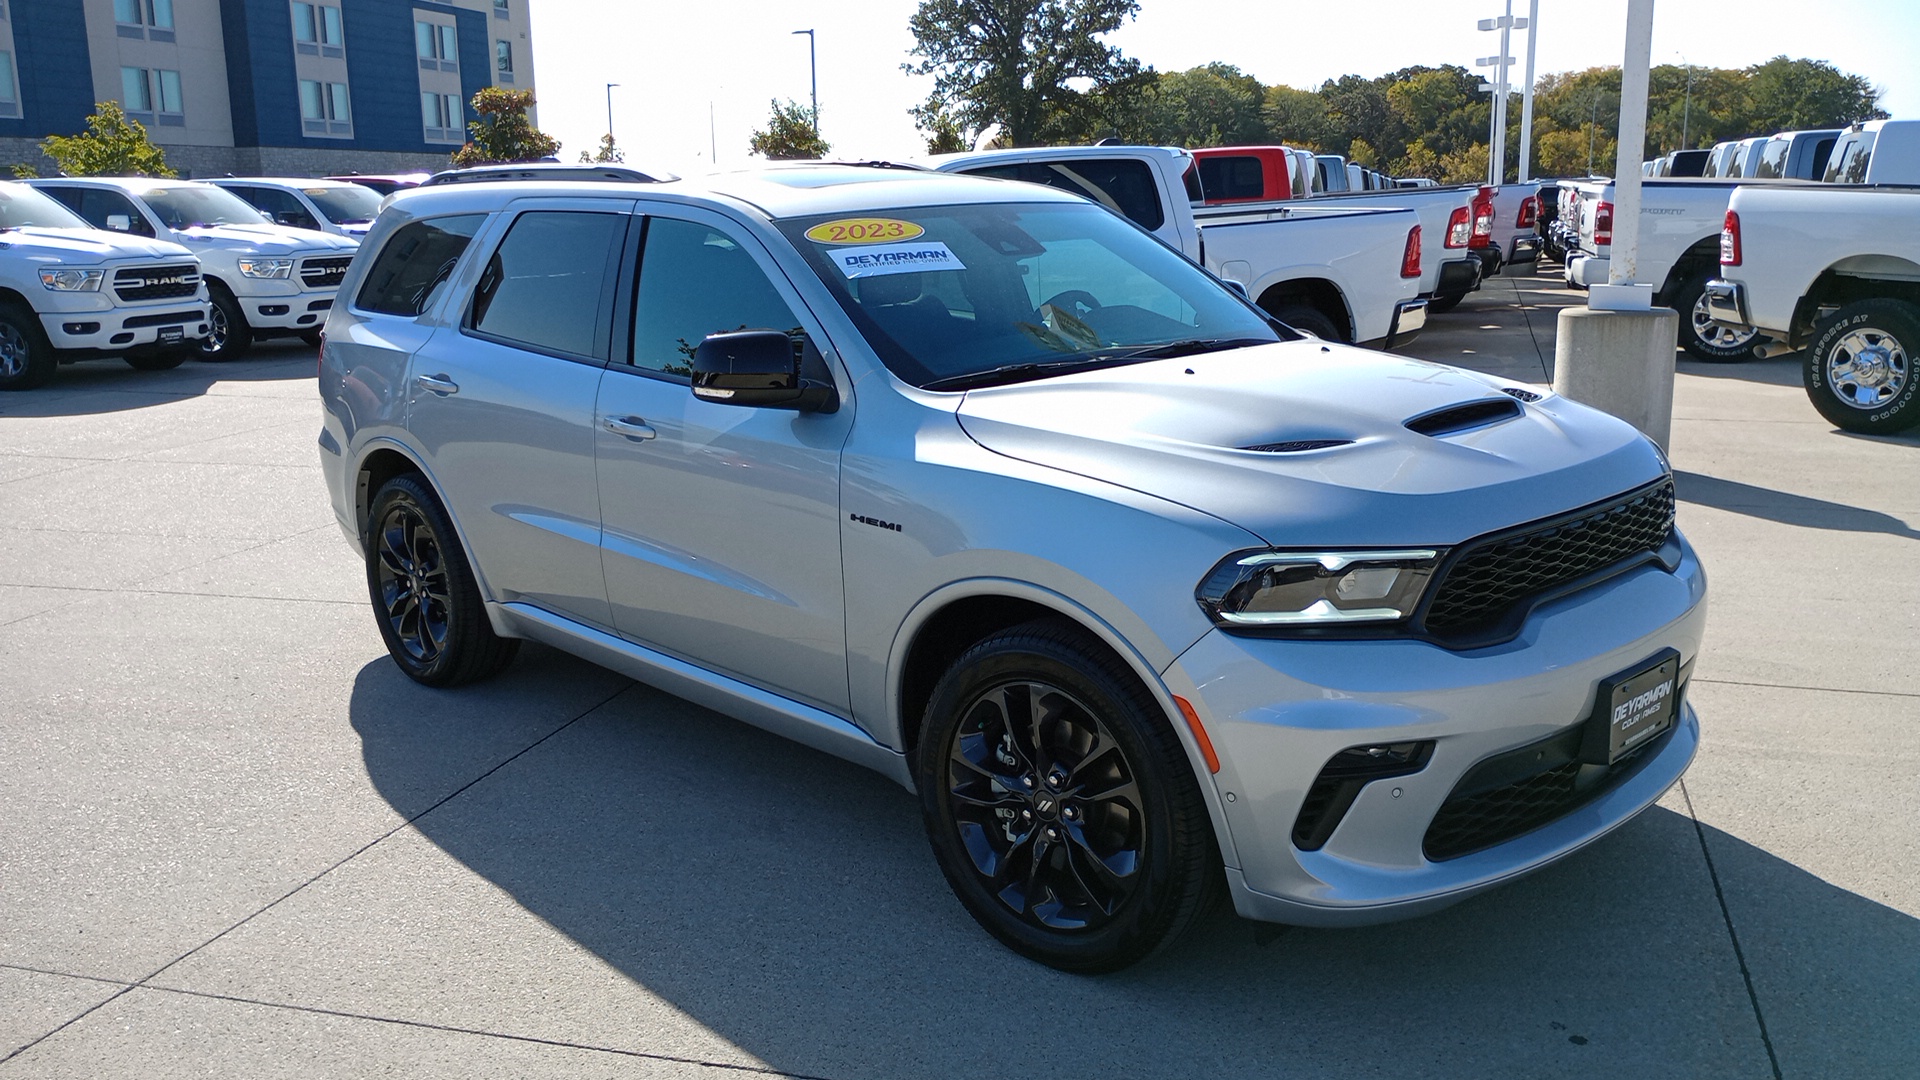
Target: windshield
(348,204)
(948,292)
(188,205)
(23,207)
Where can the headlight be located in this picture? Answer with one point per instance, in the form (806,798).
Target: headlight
(72,280)
(266,268)
(1285,589)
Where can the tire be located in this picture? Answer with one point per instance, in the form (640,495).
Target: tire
(1860,370)
(164,360)
(1701,336)
(1083,883)
(423,592)
(1312,320)
(1442,303)
(311,337)
(229,335)
(26,357)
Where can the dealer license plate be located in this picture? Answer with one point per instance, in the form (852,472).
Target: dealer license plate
(1635,706)
(172,335)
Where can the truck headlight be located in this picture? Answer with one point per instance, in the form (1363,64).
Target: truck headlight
(266,268)
(72,280)
(1287,589)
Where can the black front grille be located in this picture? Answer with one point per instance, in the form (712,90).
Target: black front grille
(324,273)
(156,282)
(164,318)
(1489,579)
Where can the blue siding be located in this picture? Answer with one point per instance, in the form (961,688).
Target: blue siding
(55,69)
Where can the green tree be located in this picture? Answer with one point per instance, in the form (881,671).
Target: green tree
(608,153)
(1038,67)
(1794,94)
(1446,113)
(503,135)
(112,145)
(1212,105)
(789,135)
(942,128)
(1299,119)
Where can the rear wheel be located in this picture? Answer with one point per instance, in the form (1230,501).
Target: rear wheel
(424,595)
(1312,320)
(1703,338)
(228,337)
(26,358)
(1860,369)
(1060,804)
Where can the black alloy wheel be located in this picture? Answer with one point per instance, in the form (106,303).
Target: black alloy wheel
(1060,804)
(424,595)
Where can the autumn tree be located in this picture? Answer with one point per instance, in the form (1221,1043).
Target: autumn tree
(1038,67)
(112,145)
(789,135)
(503,135)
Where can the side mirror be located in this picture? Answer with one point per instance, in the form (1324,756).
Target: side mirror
(120,222)
(1239,287)
(756,368)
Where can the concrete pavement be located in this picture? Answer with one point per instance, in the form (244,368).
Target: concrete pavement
(238,843)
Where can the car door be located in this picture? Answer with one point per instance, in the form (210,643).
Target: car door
(501,402)
(721,524)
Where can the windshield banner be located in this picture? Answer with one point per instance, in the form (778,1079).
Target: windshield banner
(878,261)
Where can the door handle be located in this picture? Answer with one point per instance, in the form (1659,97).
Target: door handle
(631,427)
(439,384)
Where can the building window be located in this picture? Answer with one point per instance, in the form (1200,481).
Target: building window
(503,60)
(325,109)
(317,30)
(151,19)
(9,96)
(438,45)
(500,10)
(444,118)
(152,96)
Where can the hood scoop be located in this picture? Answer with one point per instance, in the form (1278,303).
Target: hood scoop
(1457,418)
(1521,395)
(1296,446)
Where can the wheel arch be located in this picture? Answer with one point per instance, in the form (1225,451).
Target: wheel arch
(1318,293)
(1860,277)
(1702,254)
(14,296)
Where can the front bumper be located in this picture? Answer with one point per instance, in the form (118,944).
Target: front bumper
(1279,710)
(1409,318)
(117,330)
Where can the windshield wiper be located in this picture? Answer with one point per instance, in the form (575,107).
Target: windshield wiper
(1189,347)
(1012,373)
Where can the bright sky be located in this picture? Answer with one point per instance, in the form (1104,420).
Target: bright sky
(679,64)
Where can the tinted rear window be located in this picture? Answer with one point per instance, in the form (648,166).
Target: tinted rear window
(417,260)
(1231,177)
(1122,185)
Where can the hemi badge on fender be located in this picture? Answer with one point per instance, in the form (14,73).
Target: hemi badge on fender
(875,522)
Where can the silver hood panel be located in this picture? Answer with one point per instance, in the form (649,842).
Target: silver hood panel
(1176,428)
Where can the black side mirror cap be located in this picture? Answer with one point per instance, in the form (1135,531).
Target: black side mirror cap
(758,369)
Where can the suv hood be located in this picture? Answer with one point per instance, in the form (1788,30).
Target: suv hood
(1179,430)
(85,247)
(263,239)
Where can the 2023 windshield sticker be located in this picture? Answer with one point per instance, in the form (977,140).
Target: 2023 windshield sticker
(879,261)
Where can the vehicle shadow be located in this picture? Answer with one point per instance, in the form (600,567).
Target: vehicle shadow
(1778,371)
(95,387)
(786,901)
(1787,509)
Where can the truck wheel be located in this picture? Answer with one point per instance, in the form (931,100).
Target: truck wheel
(26,358)
(1444,302)
(163,360)
(228,335)
(1860,370)
(1703,338)
(1312,320)
(1060,804)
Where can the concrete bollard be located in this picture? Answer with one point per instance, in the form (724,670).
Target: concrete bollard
(1619,362)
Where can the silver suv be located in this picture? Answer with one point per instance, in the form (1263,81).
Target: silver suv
(976,484)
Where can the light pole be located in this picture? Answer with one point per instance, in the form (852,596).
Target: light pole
(610,87)
(813,80)
(1686,109)
(1497,140)
(1526,100)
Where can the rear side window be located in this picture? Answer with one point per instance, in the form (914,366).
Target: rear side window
(1231,177)
(1773,159)
(1122,185)
(416,262)
(547,285)
(104,209)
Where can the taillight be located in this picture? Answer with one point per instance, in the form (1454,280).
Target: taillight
(1730,240)
(1603,224)
(1459,227)
(1410,259)
(1529,212)
(1482,219)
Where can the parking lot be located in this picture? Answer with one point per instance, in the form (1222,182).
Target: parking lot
(238,842)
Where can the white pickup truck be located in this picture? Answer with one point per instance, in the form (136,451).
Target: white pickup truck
(1344,274)
(69,292)
(1835,270)
(1680,223)
(263,279)
(1876,152)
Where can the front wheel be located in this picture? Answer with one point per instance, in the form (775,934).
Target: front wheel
(1860,368)
(229,336)
(1060,804)
(423,591)
(1703,338)
(26,358)
(1312,320)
